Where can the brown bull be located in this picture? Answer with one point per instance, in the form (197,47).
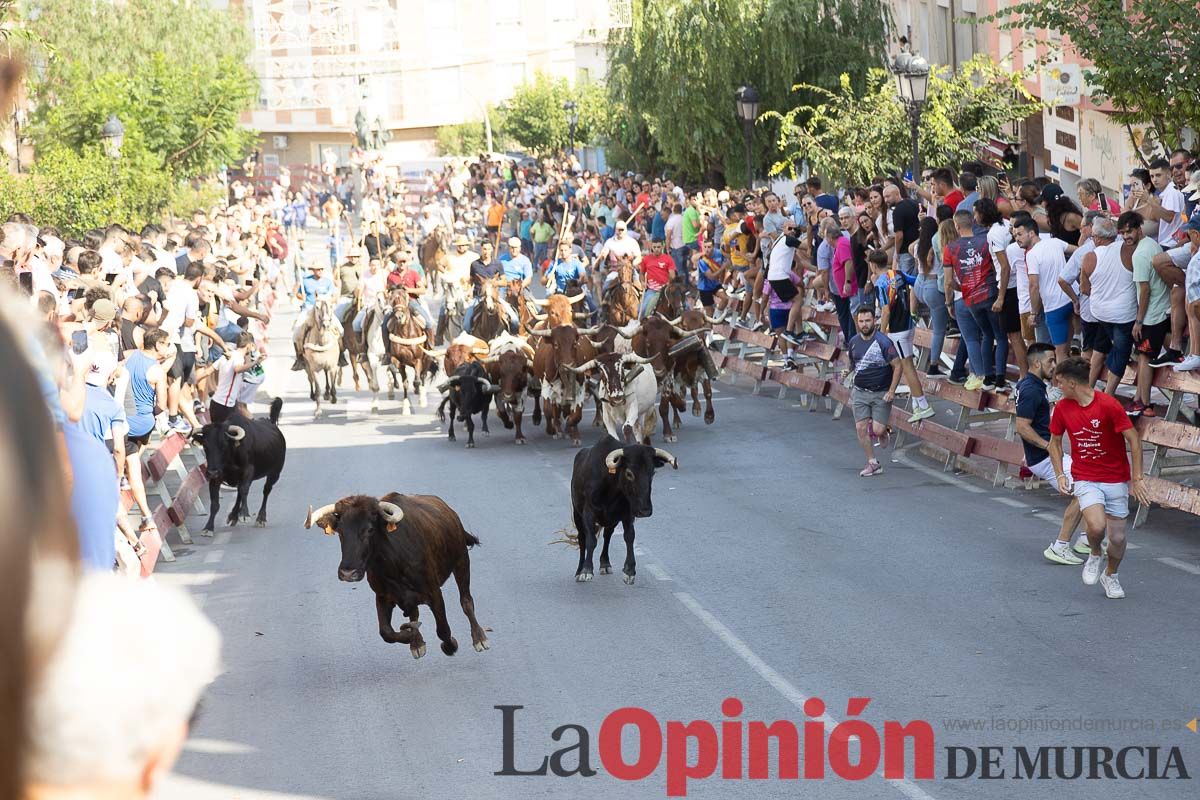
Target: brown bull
(563,391)
(688,364)
(511,370)
(559,310)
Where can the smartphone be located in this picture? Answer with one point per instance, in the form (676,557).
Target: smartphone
(79,342)
(1001,176)
(111,278)
(908,176)
(1103,200)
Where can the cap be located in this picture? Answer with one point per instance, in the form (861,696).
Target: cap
(1193,224)
(723,196)
(514,242)
(103,310)
(1052,191)
(316,265)
(621,225)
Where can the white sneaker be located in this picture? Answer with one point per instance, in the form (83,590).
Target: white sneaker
(1091,570)
(1059,553)
(1112,587)
(1187,365)
(921,413)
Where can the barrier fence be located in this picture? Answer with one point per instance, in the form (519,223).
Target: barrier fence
(983,438)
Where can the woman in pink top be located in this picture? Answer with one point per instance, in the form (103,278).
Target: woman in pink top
(1090,191)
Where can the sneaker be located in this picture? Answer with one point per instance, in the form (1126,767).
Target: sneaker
(1149,411)
(973,383)
(1091,569)
(921,413)
(989,384)
(180,426)
(1168,358)
(1136,409)
(1083,548)
(791,337)
(790,366)
(957,380)
(935,372)
(1188,364)
(1060,553)
(1112,587)
(1000,386)
(872,469)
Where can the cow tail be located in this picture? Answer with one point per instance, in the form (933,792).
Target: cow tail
(276,410)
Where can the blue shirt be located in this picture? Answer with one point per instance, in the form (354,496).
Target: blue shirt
(143,393)
(313,287)
(703,282)
(94,497)
(565,272)
(100,413)
(824,255)
(895,288)
(526,224)
(658,227)
(825,200)
(518,267)
(968,203)
(607,232)
(871,359)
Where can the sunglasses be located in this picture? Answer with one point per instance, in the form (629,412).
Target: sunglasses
(1178,166)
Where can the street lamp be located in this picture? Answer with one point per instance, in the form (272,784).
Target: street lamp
(572,113)
(912,86)
(113,136)
(746,98)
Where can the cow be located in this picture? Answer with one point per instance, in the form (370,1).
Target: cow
(406,546)
(559,310)
(611,484)
(682,362)
(468,392)
(510,369)
(237,452)
(626,390)
(563,391)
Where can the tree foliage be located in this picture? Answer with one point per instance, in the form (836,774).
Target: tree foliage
(853,137)
(464,139)
(534,118)
(1144,60)
(673,73)
(173,71)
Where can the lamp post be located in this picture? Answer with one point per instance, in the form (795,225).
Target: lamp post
(572,113)
(112,136)
(912,86)
(746,99)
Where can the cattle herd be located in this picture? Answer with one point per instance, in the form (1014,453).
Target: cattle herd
(407,546)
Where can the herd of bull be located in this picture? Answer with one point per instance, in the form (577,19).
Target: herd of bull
(637,371)
(408,546)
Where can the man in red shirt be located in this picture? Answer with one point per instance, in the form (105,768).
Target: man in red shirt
(658,269)
(1100,474)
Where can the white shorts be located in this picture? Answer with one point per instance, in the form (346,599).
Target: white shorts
(1044,469)
(247,391)
(904,342)
(1113,496)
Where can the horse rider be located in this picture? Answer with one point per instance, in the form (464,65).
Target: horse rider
(314,285)
(566,268)
(403,276)
(516,266)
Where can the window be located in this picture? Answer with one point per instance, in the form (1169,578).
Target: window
(1065,113)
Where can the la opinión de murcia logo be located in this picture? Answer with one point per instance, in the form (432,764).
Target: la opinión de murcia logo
(815,749)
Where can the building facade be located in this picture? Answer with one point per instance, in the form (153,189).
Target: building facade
(330,67)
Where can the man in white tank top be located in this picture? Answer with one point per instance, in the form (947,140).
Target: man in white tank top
(1108,282)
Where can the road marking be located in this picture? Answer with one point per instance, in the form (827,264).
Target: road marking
(222,538)
(1177,564)
(658,572)
(214,556)
(901,456)
(1008,501)
(780,683)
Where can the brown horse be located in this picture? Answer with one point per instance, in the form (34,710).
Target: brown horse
(490,318)
(406,351)
(522,302)
(621,300)
(672,300)
(352,343)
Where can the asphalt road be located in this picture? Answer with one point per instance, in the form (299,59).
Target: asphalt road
(769,572)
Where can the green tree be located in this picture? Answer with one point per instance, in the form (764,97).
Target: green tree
(464,139)
(673,73)
(173,71)
(1143,59)
(534,118)
(853,137)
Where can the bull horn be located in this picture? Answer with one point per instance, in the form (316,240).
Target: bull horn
(594,343)
(406,342)
(538,332)
(539,317)
(391,512)
(539,302)
(489,360)
(671,322)
(582,367)
(577,298)
(433,353)
(445,387)
(313,516)
(719,317)
(665,456)
(486,385)
(588,331)
(634,358)
(630,330)
(236,432)
(528,350)
(611,459)
(680,331)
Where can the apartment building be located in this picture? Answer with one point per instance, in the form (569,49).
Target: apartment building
(407,66)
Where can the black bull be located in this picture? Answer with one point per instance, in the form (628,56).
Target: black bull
(237,452)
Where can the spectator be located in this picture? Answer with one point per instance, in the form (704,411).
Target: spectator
(1092,197)
(1161,203)
(876,367)
(905,226)
(930,288)
(822,199)
(1153,317)
(1045,263)
(1100,476)
(842,279)
(969,183)
(973,274)
(897,299)
(1107,278)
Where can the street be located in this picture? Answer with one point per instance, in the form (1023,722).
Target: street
(770,572)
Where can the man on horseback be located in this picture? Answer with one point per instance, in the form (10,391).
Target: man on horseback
(413,282)
(315,284)
(565,269)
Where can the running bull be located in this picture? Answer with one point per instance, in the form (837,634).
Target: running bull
(237,452)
